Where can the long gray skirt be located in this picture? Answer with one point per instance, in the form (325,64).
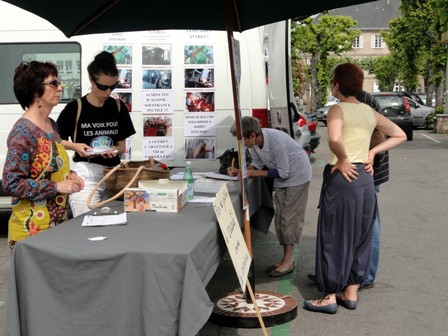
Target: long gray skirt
(344,230)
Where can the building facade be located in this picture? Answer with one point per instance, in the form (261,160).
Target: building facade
(372,18)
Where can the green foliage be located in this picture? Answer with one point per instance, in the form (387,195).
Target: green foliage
(299,76)
(430,122)
(414,40)
(385,69)
(319,39)
(441,7)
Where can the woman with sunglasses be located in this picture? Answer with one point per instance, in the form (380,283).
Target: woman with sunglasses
(96,121)
(37,168)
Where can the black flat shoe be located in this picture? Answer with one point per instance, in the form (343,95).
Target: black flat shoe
(311,277)
(276,274)
(271,268)
(348,304)
(365,286)
(331,308)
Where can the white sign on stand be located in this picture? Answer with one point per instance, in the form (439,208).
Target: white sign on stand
(233,236)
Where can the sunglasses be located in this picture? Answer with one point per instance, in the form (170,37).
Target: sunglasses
(103,87)
(54,83)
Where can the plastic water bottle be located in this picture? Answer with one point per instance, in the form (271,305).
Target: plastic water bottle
(188,177)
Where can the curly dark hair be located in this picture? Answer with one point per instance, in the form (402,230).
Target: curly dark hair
(104,63)
(350,78)
(28,78)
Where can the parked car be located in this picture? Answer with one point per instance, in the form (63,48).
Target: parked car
(414,96)
(419,112)
(395,106)
(305,130)
(322,113)
(311,121)
(423,97)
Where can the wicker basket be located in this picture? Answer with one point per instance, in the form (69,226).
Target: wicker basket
(121,177)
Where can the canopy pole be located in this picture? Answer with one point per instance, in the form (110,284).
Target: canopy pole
(93,16)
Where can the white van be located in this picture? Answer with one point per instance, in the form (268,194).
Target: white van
(171,56)
(24,36)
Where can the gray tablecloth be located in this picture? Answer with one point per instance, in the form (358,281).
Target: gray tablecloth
(147,278)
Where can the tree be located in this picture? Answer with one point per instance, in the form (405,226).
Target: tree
(385,69)
(414,40)
(320,38)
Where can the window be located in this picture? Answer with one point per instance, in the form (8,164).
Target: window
(378,42)
(68,67)
(63,55)
(358,43)
(60,65)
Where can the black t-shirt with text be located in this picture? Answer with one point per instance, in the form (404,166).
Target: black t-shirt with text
(97,126)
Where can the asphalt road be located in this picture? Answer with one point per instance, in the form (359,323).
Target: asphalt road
(409,295)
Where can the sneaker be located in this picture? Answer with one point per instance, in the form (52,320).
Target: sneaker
(365,286)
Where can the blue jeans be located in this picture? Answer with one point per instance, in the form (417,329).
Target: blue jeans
(376,244)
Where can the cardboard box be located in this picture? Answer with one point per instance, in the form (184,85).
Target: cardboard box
(136,199)
(165,195)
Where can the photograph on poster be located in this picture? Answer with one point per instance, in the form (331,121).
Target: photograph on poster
(126,98)
(160,125)
(156,79)
(200,148)
(200,78)
(123,54)
(124,78)
(156,55)
(127,155)
(196,54)
(200,102)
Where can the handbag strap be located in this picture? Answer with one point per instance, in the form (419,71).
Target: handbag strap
(78,114)
(89,198)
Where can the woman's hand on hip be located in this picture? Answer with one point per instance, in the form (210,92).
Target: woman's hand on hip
(347,169)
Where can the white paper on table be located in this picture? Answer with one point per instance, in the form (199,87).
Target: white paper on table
(99,238)
(180,176)
(209,186)
(105,220)
(202,199)
(221,177)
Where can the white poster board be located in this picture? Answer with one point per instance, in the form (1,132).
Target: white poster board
(233,236)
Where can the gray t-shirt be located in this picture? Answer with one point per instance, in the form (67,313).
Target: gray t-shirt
(282,152)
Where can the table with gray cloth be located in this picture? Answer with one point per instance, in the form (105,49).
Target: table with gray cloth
(147,278)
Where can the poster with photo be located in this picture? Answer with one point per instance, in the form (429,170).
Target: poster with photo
(199,124)
(124,78)
(127,155)
(199,36)
(156,55)
(158,126)
(160,148)
(123,38)
(160,101)
(200,78)
(156,79)
(200,148)
(199,102)
(198,54)
(126,98)
(122,54)
(157,36)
